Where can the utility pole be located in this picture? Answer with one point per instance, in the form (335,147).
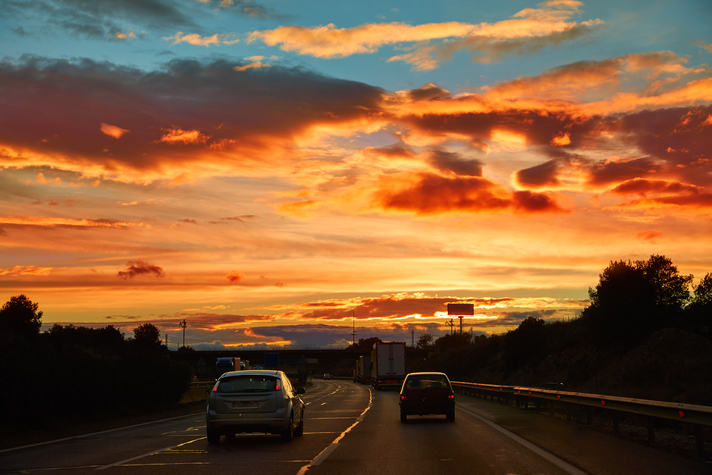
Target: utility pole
(166,340)
(353,323)
(451,322)
(412,338)
(183,324)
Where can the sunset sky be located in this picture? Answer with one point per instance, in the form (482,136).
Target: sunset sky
(274,172)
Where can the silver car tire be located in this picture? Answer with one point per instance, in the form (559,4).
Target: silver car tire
(288,433)
(299,431)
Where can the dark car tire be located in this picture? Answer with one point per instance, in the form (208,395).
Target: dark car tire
(299,431)
(404,417)
(213,437)
(288,433)
(451,416)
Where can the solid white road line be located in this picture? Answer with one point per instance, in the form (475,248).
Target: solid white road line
(335,443)
(568,468)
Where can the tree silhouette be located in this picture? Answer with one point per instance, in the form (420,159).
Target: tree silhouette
(20,315)
(525,344)
(703,293)
(147,337)
(635,298)
(425,341)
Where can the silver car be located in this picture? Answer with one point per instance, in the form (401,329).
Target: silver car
(254,401)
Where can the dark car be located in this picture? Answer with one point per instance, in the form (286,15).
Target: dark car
(427,393)
(254,401)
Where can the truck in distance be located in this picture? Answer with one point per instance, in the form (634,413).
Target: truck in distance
(388,364)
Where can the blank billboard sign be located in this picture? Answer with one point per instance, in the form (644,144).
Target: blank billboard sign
(460,309)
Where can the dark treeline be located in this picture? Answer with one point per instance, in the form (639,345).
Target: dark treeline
(79,374)
(646,334)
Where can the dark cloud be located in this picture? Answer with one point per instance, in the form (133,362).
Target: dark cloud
(614,172)
(429,92)
(240,116)
(531,202)
(679,137)
(139,267)
(540,176)
(102,20)
(644,187)
(234,277)
(389,306)
(453,162)
(395,151)
(248,8)
(188,221)
(434,194)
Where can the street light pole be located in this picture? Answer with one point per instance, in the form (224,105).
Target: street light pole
(353,323)
(183,324)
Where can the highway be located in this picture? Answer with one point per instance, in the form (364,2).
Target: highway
(351,429)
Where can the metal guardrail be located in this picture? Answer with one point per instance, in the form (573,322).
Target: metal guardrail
(699,416)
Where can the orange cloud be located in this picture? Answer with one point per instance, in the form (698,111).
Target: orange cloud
(52,221)
(235,277)
(548,23)
(197,40)
(649,235)
(112,130)
(26,270)
(331,42)
(183,136)
(561,140)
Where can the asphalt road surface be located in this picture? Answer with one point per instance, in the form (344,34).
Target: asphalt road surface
(352,429)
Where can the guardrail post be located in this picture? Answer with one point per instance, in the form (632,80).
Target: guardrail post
(651,430)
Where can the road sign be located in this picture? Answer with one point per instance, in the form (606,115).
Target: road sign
(460,309)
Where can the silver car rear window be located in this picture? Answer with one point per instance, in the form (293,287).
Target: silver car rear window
(426,381)
(248,384)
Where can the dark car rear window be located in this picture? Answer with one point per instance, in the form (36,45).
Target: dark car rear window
(247,384)
(427,381)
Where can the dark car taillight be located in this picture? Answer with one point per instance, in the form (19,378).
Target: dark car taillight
(451,396)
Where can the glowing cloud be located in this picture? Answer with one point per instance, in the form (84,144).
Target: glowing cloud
(26,270)
(53,221)
(174,136)
(197,40)
(113,131)
(561,140)
(549,21)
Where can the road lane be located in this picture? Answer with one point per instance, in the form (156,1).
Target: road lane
(178,446)
(350,429)
(429,444)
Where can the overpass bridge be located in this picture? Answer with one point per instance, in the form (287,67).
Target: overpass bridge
(340,362)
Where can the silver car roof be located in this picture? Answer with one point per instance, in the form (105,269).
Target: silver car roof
(253,372)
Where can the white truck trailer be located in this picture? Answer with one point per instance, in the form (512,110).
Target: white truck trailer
(388,364)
